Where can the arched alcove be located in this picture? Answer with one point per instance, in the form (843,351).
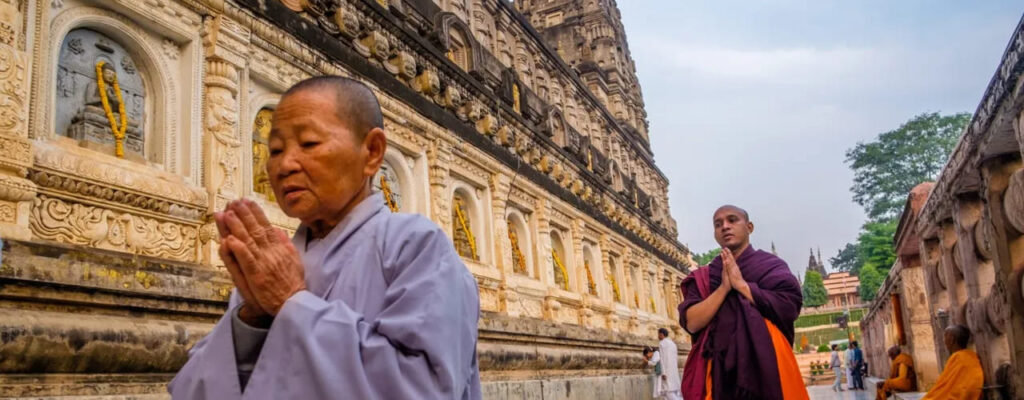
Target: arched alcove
(467,224)
(559,262)
(591,266)
(521,242)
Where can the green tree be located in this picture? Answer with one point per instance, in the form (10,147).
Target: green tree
(887,168)
(814,290)
(846,259)
(875,244)
(870,280)
(705,258)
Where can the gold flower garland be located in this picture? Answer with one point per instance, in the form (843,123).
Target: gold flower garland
(561,267)
(615,288)
(465,228)
(388,199)
(516,252)
(590,279)
(653,308)
(118,133)
(636,300)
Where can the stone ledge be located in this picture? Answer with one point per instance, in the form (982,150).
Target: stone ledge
(36,264)
(82,386)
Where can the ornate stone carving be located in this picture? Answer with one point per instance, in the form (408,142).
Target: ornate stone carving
(996,308)
(7,212)
(1014,201)
(55,219)
(170,49)
(71,161)
(221,121)
(12,91)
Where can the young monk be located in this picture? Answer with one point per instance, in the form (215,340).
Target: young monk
(902,377)
(963,378)
(739,311)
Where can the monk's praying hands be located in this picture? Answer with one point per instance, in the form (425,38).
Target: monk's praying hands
(732,270)
(263,263)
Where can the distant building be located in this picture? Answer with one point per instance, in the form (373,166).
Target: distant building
(842,289)
(816,264)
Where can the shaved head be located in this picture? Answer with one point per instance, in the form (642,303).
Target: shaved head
(730,207)
(355,102)
(957,337)
(732,228)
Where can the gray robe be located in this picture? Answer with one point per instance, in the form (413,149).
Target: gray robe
(390,313)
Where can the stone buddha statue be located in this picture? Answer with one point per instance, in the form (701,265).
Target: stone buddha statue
(92,127)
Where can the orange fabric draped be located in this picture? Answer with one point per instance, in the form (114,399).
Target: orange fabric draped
(962,379)
(789,372)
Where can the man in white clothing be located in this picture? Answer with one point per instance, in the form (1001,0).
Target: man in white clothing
(848,361)
(669,366)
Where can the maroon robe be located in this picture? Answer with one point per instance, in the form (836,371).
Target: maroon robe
(744,364)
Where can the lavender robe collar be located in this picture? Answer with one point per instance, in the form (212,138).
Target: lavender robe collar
(320,276)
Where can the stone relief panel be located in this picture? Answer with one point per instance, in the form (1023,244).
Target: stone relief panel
(57,220)
(97,80)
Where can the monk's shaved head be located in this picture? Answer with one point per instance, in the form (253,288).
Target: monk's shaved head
(894,351)
(732,228)
(355,102)
(957,335)
(731,207)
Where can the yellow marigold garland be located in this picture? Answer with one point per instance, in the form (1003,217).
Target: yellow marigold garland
(517,253)
(590,279)
(653,308)
(636,300)
(615,288)
(561,267)
(118,133)
(389,200)
(465,228)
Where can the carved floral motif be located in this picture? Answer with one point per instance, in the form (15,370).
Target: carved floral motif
(57,220)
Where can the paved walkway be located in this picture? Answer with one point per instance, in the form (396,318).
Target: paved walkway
(824,392)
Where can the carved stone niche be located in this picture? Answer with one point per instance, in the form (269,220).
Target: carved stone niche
(89,61)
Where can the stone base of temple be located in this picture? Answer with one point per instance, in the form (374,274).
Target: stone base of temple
(79,322)
(572,388)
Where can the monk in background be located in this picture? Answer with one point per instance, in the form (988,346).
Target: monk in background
(902,377)
(963,378)
(739,311)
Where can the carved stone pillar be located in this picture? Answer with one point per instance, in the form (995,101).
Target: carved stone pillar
(967,216)
(948,271)
(604,288)
(576,283)
(1004,195)
(500,185)
(439,157)
(543,243)
(16,192)
(224,42)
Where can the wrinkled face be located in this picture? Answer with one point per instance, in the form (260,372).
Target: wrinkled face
(317,164)
(732,229)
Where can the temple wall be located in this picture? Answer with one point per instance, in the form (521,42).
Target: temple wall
(109,271)
(970,233)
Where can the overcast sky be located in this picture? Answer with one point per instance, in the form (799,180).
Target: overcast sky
(756,102)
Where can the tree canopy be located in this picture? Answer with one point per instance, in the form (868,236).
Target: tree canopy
(705,258)
(814,290)
(870,280)
(887,168)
